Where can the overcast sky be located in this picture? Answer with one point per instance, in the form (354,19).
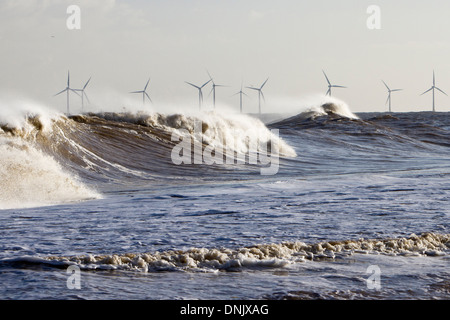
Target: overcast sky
(123,43)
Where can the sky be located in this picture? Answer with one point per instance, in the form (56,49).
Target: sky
(121,44)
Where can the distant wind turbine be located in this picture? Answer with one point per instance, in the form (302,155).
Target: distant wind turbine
(144,93)
(200,94)
(389,95)
(260,93)
(330,85)
(213,90)
(67,89)
(83,94)
(432,88)
(240,93)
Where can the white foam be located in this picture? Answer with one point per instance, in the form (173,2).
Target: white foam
(16,114)
(273,255)
(218,128)
(322,105)
(31,178)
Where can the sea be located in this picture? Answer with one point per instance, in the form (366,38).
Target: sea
(321,204)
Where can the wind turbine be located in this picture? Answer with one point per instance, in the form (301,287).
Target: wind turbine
(432,88)
(330,85)
(260,93)
(144,93)
(213,90)
(389,96)
(67,89)
(83,94)
(240,93)
(200,94)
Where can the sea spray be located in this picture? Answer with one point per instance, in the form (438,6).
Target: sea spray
(32,178)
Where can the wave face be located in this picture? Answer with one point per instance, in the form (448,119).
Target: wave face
(120,150)
(328,140)
(330,109)
(32,178)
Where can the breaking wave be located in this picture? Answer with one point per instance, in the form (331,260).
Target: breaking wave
(260,256)
(329,108)
(31,177)
(46,156)
(50,158)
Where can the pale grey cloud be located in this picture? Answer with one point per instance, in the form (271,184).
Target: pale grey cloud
(122,43)
(255,15)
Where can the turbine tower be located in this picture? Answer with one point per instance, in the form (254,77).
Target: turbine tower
(260,94)
(200,94)
(213,90)
(330,85)
(240,93)
(432,88)
(389,95)
(67,89)
(144,93)
(83,94)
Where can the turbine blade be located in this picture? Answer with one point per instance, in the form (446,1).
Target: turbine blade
(75,91)
(60,92)
(328,92)
(212,90)
(209,75)
(86,97)
(326,77)
(427,91)
(264,83)
(136,91)
(262,95)
(396,90)
(338,86)
(148,97)
(86,83)
(192,85)
(145,88)
(206,83)
(68,78)
(257,89)
(441,91)
(434,79)
(387,100)
(386,85)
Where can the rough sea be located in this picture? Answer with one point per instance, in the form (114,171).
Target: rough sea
(143,205)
